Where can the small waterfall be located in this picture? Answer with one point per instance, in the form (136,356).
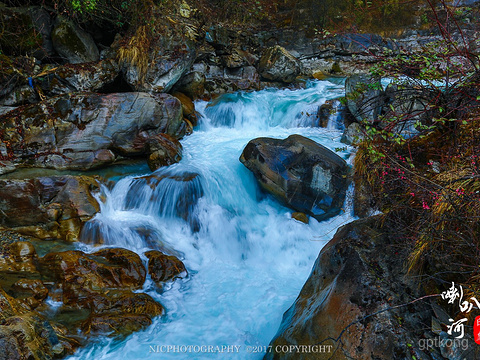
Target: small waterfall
(248,259)
(336,120)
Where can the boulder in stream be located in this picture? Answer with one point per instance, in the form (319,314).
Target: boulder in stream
(300,173)
(162,267)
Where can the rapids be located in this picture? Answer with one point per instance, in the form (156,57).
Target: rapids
(247,258)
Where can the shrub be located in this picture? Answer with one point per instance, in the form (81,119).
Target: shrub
(429,184)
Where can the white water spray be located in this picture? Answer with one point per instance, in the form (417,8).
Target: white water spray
(247,258)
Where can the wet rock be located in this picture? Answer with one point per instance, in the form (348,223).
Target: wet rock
(123,324)
(277,64)
(84,131)
(324,112)
(167,193)
(72,43)
(365,97)
(357,276)
(300,173)
(188,107)
(25,288)
(27,335)
(121,301)
(164,150)
(163,267)
(84,277)
(299,216)
(50,207)
(18,257)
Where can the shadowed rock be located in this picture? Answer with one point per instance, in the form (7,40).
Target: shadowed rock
(300,173)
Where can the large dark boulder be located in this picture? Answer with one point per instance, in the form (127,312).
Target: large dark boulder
(353,305)
(162,267)
(72,43)
(84,131)
(300,173)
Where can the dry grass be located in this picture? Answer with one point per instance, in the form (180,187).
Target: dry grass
(135,51)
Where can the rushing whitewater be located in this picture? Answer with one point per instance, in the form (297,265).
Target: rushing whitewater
(247,258)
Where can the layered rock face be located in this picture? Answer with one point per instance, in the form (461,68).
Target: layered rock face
(84,131)
(299,173)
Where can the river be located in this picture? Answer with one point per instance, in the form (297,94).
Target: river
(247,259)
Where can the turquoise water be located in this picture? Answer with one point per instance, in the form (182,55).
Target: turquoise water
(247,258)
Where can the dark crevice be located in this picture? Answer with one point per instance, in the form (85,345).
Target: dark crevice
(119,85)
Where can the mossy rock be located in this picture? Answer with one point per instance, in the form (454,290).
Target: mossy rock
(72,43)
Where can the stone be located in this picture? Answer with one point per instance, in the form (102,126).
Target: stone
(299,216)
(84,131)
(113,324)
(277,64)
(164,150)
(365,97)
(408,106)
(25,288)
(324,112)
(84,77)
(298,172)
(27,335)
(188,107)
(72,43)
(353,134)
(191,84)
(48,207)
(344,305)
(20,96)
(163,267)
(84,277)
(168,60)
(19,256)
